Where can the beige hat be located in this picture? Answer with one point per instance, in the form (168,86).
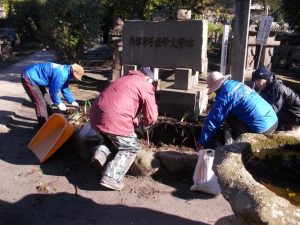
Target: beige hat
(78,71)
(215,80)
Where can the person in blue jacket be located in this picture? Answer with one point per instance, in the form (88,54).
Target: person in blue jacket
(243,108)
(36,78)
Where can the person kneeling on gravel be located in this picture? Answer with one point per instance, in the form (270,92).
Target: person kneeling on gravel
(114,114)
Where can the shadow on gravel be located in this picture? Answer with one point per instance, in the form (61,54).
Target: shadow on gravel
(14,138)
(182,185)
(66,162)
(13,99)
(71,209)
(228,220)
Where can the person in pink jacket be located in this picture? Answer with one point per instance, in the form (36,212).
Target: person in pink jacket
(114,114)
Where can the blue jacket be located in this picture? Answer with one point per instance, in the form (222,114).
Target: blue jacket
(238,100)
(54,76)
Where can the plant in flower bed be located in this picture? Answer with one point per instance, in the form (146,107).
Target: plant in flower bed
(171,131)
(178,133)
(79,116)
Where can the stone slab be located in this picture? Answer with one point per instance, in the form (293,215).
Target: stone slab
(166,44)
(185,78)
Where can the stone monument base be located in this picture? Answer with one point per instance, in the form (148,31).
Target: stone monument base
(182,103)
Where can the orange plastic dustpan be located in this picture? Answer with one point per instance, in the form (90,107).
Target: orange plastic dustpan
(52,135)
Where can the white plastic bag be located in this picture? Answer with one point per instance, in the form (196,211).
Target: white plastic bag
(87,133)
(204,177)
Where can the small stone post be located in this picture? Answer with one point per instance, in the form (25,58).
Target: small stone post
(116,36)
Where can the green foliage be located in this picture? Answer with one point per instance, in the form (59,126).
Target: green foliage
(70,26)
(124,9)
(216,28)
(25,16)
(273,5)
(170,7)
(292,12)
(87,105)
(5,3)
(185,116)
(143,9)
(283,10)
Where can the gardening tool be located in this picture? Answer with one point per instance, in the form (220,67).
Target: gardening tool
(52,135)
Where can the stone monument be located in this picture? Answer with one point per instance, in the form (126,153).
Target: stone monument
(180,45)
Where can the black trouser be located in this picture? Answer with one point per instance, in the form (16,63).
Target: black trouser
(286,120)
(40,97)
(239,127)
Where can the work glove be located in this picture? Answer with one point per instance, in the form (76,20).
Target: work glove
(75,104)
(62,107)
(140,129)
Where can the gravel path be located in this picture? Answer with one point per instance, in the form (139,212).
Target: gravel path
(65,191)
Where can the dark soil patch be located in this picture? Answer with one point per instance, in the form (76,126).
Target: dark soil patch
(166,133)
(171,131)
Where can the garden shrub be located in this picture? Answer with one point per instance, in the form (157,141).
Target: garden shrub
(71,26)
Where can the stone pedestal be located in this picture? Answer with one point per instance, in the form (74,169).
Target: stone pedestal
(185,79)
(179,45)
(178,103)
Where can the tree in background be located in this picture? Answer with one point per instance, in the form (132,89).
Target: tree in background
(171,6)
(283,11)
(4,3)
(274,8)
(24,16)
(292,13)
(71,26)
(124,9)
(143,9)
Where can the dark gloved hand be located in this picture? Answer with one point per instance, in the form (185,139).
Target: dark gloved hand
(140,130)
